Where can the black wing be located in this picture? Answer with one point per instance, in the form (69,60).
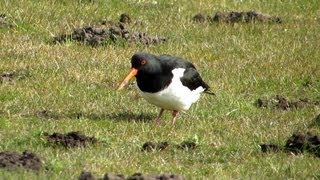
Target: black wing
(192,79)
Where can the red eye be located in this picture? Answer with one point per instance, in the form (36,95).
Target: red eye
(143,62)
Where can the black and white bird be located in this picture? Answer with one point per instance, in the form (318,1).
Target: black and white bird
(166,81)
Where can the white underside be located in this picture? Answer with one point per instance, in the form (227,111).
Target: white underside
(175,96)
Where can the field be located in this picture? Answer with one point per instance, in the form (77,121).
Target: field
(65,87)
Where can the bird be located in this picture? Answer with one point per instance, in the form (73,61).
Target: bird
(167,81)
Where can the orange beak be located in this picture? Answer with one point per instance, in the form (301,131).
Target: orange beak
(133,72)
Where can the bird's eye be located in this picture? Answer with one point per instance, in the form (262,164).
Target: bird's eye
(143,62)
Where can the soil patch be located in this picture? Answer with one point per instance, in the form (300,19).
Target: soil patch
(135,176)
(235,17)
(187,145)
(109,32)
(4,22)
(70,140)
(138,176)
(280,102)
(6,77)
(10,76)
(297,143)
(200,18)
(47,114)
(109,176)
(150,146)
(85,175)
(27,160)
(125,18)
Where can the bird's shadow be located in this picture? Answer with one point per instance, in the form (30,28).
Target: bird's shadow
(114,116)
(119,116)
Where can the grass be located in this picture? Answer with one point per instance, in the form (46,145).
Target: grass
(77,83)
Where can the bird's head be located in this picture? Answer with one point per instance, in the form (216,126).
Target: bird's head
(141,62)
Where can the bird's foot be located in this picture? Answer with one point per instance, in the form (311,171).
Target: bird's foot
(174,115)
(158,119)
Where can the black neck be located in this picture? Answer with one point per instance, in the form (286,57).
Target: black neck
(153,82)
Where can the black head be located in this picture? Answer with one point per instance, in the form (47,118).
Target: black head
(145,62)
(143,65)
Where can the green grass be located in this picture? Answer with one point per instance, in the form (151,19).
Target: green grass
(241,62)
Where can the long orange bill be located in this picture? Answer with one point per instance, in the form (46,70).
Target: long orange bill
(133,72)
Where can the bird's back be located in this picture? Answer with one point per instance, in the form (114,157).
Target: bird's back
(171,62)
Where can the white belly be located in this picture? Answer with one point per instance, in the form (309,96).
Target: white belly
(175,96)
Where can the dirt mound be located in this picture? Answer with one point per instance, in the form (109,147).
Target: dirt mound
(280,102)
(108,31)
(6,77)
(187,145)
(10,76)
(47,114)
(70,140)
(85,175)
(4,22)
(234,17)
(26,160)
(200,17)
(138,176)
(125,18)
(150,146)
(135,176)
(111,176)
(297,143)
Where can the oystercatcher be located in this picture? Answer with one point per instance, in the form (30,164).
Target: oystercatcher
(169,82)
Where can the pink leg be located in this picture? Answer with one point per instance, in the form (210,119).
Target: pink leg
(159,116)
(174,115)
